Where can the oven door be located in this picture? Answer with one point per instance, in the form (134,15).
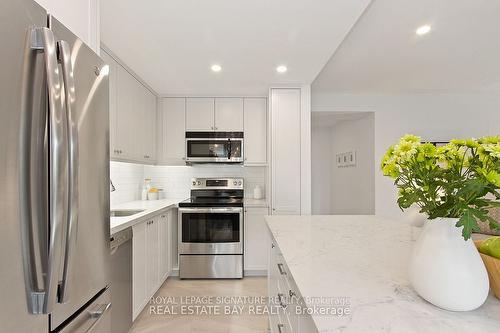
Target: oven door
(214,150)
(211,230)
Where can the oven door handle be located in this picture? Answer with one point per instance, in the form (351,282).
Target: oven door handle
(212,210)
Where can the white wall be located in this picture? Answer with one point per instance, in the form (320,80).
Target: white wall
(438,116)
(176,180)
(353,187)
(321,153)
(128,179)
(80,16)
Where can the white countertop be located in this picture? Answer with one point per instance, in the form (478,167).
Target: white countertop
(150,207)
(364,258)
(251,202)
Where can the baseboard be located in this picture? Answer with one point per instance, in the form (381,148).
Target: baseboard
(246,272)
(255,272)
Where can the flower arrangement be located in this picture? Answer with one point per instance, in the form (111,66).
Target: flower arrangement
(458,180)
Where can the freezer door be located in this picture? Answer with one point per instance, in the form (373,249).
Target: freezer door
(95,317)
(86,238)
(17,18)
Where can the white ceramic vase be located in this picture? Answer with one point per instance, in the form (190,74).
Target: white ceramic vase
(446,270)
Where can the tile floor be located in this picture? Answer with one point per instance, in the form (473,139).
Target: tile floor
(175,290)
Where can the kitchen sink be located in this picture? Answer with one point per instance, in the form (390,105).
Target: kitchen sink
(125,212)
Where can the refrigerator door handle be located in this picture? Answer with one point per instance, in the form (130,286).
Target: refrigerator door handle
(97,315)
(72,130)
(42,279)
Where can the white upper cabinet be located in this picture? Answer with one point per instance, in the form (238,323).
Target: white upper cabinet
(199,114)
(132,116)
(112,100)
(228,114)
(255,131)
(172,131)
(147,109)
(80,16)
(286,151)
(125,134)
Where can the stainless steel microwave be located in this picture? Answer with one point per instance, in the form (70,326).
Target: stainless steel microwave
(214,147)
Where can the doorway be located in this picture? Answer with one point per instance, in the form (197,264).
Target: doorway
(343,163)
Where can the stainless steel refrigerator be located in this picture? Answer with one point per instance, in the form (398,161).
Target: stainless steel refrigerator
(54,177)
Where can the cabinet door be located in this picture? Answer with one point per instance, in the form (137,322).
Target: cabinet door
(164,247)
(112,64)
(148,146)
(199,114)
(255,128)
(152,259)
(229,114)
(139,280)
(172,131)
(256,239)
(285,122)
(174,238)
(126,100)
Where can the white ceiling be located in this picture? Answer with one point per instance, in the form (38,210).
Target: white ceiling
(330,119)
(382,53)
(171,44)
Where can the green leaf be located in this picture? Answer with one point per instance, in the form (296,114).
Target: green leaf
(468,221)
(494,225)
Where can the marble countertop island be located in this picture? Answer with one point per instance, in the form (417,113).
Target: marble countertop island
(365,260)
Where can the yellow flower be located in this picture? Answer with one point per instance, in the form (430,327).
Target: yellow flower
(411,138)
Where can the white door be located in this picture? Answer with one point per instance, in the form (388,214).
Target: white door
(256,239)
(172,131)
(285,136)
(139,280)
(199,114)
(229,114)
(255,128)
(152,259)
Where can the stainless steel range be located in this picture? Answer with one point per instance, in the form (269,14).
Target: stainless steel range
(211,230)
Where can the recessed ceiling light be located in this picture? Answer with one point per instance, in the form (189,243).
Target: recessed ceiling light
(281,69)
(425,29)
(216,68)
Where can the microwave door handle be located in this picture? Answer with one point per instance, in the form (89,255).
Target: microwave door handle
(41,280)
(72,128)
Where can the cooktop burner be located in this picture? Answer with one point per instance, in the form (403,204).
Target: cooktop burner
(212,202)
(215,192)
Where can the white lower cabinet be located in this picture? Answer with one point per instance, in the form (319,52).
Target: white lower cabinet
(151,259)
(165,260)
(139,279)
(256,240)
(283,290)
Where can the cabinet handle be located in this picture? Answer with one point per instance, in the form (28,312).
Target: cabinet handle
(291,293)
(272,246)
(281,269)
(280,326)
(280,296)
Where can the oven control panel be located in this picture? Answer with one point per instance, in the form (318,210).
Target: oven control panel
(217,183)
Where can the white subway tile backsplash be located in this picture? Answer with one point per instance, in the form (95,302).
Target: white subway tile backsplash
(127,179)
(175,180)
